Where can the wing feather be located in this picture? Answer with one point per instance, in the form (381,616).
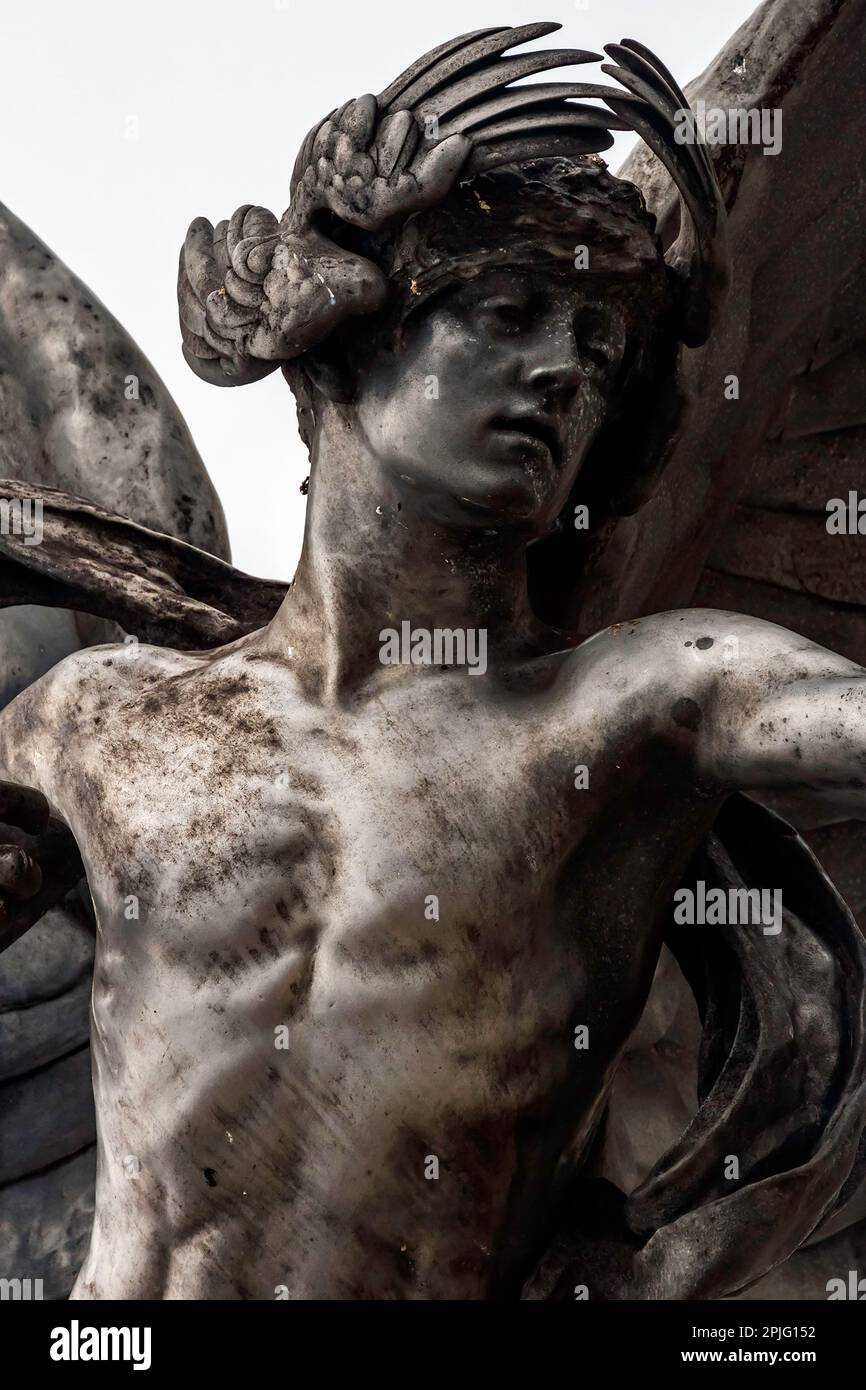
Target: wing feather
(548,95)
(427,61)
(462,58)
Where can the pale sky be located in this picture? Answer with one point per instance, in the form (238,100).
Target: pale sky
(124,121)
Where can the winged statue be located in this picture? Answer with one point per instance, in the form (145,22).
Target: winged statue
(740,401)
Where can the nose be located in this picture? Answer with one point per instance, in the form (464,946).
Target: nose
(559,379)
(553,371)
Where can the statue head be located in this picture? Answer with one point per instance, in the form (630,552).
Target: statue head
(523,314)
(460,284)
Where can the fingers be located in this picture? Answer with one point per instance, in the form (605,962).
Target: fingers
(24,807)
(20,875)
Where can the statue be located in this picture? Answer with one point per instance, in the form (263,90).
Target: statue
(382,866)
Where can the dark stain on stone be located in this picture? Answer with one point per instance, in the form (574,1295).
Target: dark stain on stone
(267,941)
(305,782)
(210,1176)
(687,714)
(704,643)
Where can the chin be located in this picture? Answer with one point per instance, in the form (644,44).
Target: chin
(525,492)
(511,504)
(496,489)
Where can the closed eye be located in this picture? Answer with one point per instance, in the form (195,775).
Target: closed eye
(510,315)
(599,355)
(598,340)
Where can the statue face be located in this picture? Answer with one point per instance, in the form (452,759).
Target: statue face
(484,410)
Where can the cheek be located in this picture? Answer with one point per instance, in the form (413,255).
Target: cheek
(464,361)
(430,402)
(413,423)
(587,412)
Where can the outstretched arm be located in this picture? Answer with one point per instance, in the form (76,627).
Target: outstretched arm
(774,711)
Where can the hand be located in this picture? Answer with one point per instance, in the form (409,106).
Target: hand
(39,860)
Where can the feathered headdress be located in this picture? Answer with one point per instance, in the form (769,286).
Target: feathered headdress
(255,292)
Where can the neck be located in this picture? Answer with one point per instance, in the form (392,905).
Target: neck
(372,561)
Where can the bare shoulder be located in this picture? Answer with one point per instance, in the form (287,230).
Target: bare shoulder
(645,659)
(672,672)
(88,680)
(46,726)
(691,643)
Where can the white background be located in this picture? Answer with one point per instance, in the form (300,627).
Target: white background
(121,122)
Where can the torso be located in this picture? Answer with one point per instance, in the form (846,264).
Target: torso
(365,937)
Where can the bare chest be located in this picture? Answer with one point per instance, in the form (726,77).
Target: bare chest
(332,946)
(254,857)
(214,820)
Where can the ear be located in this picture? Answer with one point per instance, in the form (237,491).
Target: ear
(329,373)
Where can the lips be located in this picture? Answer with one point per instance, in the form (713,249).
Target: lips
(534,426)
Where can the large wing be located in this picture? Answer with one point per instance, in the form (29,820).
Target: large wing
(739,520)
(159,589)
(82,410)
(792,335)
